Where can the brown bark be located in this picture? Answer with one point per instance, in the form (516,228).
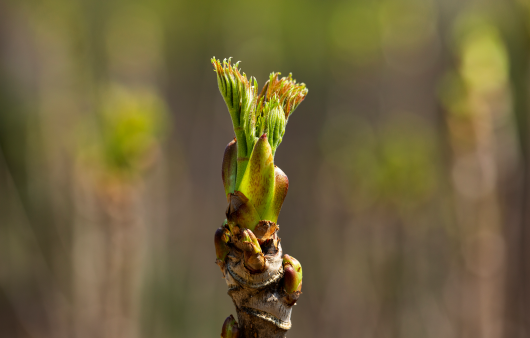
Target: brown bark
(263,307)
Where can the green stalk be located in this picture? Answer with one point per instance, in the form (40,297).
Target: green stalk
(242,157)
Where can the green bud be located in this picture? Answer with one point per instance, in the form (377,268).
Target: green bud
(253,256)
(290,93)
(292,277)
(281,186)
(258,182)
(229,82)
(249,116)
(253,115)
(276,123)
(241,212)
(221,239)
(230,168)
(259,123)
(271,119)
(230,328)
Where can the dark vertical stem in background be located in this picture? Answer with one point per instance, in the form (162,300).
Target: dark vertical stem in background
(400,276)
(518,235)
(446,63)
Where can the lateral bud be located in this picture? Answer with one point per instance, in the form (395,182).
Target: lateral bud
(221,239)
(230,328)
(253,256)
(292,279)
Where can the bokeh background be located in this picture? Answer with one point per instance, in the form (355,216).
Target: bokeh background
(409,200)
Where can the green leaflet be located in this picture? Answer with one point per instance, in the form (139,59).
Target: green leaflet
(229,168)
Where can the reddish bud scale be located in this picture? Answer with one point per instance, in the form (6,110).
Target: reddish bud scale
(265,230)
(292,274)
(253,256)
(229,169)
(290,280)
(241,212)
(230,328)
(255,262)
(221,239)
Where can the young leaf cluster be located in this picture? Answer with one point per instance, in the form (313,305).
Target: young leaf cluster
(252,114)
(255,188)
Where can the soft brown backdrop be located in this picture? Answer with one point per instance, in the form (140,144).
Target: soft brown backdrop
(408,165)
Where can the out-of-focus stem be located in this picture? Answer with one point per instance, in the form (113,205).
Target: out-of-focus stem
(518,272)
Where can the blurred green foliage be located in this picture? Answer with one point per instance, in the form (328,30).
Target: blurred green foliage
(393,165)
(127,132)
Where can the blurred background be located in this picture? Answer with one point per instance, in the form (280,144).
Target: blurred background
(409,200)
